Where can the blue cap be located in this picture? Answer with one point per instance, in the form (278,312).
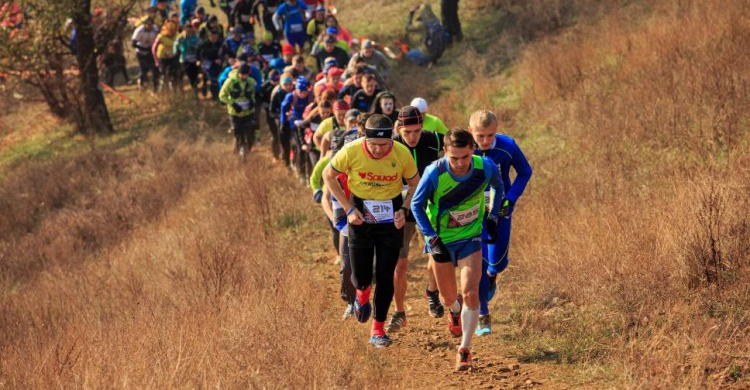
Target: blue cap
(332,30)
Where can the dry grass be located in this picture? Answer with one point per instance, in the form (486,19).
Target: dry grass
(151,268)
(140,268)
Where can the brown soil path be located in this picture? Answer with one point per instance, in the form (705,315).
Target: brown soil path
(425,352)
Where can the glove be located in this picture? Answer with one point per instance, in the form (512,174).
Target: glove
(237,107)
(505,207)
(439,251)
(318,196)
(213,4)
(491,224)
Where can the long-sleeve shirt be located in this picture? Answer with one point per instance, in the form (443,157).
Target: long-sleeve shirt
(505,153)
(293,108)
(378,60)
(143,39)
(428,184)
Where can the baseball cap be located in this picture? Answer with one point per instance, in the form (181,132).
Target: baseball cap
(287,49)
(367,44)
(351,114)
(420,104)
(335,72)
(332,30)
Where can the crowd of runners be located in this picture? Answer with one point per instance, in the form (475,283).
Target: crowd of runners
(380,172)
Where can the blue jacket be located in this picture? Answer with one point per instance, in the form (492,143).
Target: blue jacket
(294,17)
(505,153)
(296,105)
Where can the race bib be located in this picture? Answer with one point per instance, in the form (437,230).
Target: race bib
(296,28)
(487,200)
(378,211)
(190,58)
(314,126)
(245,18)
(464,217)
(245,105)
(267,57)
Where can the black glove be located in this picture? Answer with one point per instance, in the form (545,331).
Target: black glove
(237,107)
(318,196)
(491,224)
(505,206)
(439,251)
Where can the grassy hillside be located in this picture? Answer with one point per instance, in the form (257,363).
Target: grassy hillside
(148,258)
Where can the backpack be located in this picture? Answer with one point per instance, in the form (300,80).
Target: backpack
(435,39)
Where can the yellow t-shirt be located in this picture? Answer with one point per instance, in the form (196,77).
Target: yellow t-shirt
(374,179)
(325,126)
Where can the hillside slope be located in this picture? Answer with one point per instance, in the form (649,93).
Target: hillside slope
(155,261)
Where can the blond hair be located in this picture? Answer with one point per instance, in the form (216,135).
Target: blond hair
(482,119)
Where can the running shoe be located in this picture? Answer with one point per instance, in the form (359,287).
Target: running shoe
(433,299)
(398,321)
(493,286)
(348,312)
(362,312)
(463,359)
(454,320)
(380,341)
(485,326)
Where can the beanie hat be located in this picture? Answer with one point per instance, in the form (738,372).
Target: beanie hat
(409,115)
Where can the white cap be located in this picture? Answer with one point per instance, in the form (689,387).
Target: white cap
(420,104)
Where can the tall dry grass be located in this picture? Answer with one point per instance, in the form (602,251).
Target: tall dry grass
(631,243)
(637,213)
(167,266)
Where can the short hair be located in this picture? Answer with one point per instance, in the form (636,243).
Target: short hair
(299,58)
(325,104)
(458,138)
(482,118)
(368,77)
(327,95)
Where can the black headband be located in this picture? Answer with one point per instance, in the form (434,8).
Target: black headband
(379,133)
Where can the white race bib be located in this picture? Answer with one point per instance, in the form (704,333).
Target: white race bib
(378,211)
(245,105)
(295,28)
(314,126)
(464,217)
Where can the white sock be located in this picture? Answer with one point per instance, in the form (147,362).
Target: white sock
(469,321)
(455,307)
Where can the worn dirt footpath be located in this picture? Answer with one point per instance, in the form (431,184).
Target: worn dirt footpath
(424,352)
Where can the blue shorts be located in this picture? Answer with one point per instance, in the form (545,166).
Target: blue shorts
(462,249)
(296,39)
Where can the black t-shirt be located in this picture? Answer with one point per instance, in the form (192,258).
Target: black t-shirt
(428,149)
(362,102)
(269,52)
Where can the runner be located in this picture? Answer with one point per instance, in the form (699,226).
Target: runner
(431,122)
(295,14)
(504,152)
(449,207)
(143,38)
(376,211)
(211,62)
(330,49)
(385,103)
(264,99)
(292,110)
(340,107)
(165,55)
(187,45)
(373,58)
(238,93)
(363,99)
(425,147)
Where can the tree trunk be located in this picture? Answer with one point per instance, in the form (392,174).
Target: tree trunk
(96,116)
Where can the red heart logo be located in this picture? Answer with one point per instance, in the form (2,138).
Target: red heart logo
(363,174)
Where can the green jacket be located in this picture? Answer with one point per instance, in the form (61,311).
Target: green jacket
(241,92)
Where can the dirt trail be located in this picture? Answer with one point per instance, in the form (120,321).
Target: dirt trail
(426,352)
